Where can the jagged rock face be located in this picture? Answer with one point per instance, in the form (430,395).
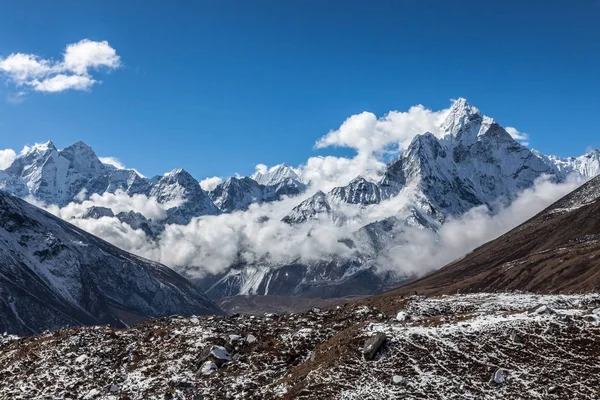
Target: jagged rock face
(321,279)
(137,221)
(179,186)
(288,187)
(58,177)
(316,206)
(359,191)
(53,274)
(236,194)
(97,212)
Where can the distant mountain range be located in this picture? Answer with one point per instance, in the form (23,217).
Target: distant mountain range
(474,162)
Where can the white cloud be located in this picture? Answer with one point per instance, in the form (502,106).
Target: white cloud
(520,137)
(72,73)
(86,54)
(61,82)
(6,158)
(22,67)
(209,184)
(16,98)
(213,243)
(115,162)
(261,169)
(118,202)
(368,134)
(325,173)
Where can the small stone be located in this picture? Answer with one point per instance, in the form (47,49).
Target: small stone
(397,380)
(373,344)
(208,368)
(220,355)
(234,338)
(92,394)
(401,316)
(499,377)
(544,309)
(81,359)
(114,388)
(251,338)
(516,338)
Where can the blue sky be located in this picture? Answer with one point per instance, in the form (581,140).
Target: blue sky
(216,87)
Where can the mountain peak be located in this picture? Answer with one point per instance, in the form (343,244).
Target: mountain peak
(275,175)
(461,116)
(176,173)
(39,148)
(80,144)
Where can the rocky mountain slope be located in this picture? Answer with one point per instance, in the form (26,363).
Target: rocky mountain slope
(479,346)
(557,250)
(53,274)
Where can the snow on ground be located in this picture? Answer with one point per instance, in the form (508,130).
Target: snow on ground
(476,346)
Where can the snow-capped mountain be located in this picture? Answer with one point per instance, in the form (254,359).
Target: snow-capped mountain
(238,193)
(470,161)
(62,176)
(53,274)
(473,162)
(276,175)
(180,187)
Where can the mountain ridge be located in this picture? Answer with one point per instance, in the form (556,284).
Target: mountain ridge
(54,274)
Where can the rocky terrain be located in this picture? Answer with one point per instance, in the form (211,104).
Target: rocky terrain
(53,274)
(478,346)
(258,305)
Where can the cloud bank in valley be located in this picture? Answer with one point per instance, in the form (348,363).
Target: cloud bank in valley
(426,252)
(213,243)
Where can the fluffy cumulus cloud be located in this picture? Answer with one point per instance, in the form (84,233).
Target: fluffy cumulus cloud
(520,137)
(368,134)
(7,156)
(372,138)
(209,184)
(73,72)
